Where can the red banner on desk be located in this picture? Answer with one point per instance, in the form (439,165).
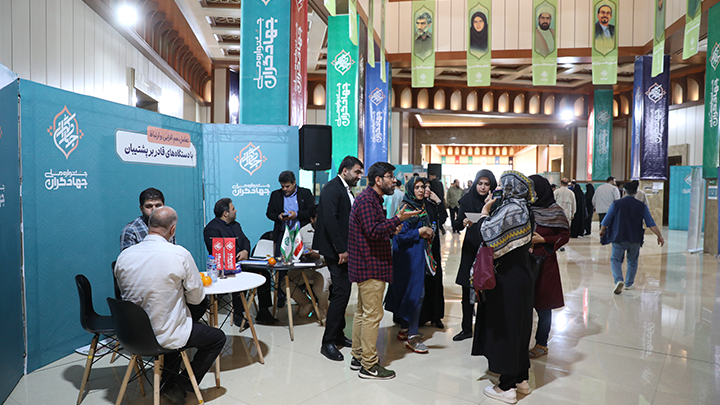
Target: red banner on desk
(298,62)
(218,248)
(229,254)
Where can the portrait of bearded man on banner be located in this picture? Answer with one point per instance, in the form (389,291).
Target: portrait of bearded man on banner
(423,45)
(604,29)
(660,21)
(544,30)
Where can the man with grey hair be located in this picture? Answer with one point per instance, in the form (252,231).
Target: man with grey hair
(163,279)
(423,36)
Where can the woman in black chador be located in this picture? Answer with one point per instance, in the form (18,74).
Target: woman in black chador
(577,226)
(479,32)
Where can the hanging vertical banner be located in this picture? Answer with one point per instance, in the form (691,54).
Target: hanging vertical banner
(659,38)
(423,45)
(383,74)
(342,91)
(371,34)
(590,142)
(330,6)
(605,42)
(638,107)
(650,135)
(352,20)
(298,63)
(544,56)
(264,73)
(693,14)
(602,142)
(362,72)
(479,42)
(376,117)
(711,135)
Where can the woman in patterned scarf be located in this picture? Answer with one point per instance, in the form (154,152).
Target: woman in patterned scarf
(551,233)
(411,257)
(504,320)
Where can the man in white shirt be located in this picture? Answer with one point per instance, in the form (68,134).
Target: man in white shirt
(162,278)
(566,199)
(392,202)
(604,197)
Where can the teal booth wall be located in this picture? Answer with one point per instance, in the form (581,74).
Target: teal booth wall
(78,193)
(679,204)
(12,360)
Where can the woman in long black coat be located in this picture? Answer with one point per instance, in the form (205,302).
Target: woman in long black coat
(577,226)
(473,201)
(433,307)
(589,207)
(504,320)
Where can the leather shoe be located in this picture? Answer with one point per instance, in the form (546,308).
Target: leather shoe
(344,342)
(331,352)
(264,318)
(174,394)
(462,336)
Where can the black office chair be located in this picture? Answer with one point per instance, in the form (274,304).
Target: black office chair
(135,333)
(95,324)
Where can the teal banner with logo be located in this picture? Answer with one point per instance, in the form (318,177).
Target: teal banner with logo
(711,130)
(659,37)
(680,189)
(693,15)
(545,41)
(265,62)
(423,43)
(602,145)
(85,162)
(12,361)
(242,162)
(342,90)
(479,52)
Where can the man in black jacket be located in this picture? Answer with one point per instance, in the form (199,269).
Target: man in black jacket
(225,226)
(288,206)
(331,237)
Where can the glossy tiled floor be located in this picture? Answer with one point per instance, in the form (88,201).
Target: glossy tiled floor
(658,344)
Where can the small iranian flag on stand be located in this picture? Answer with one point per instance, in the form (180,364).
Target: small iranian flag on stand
(297,244)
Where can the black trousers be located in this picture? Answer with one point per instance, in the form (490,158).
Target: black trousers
(467,310)
(209,342)
(601,216)
(339,297)
(264,293)
(453,215)
(510,381)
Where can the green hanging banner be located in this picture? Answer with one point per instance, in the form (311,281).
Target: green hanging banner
(383,74)
(423,45)
(352,19)
(330,6)
(659,38)
(371,34)
(544,56)
(479,42)
(342,90)
(605,42)
(711,130)
(602,137)
(693,14)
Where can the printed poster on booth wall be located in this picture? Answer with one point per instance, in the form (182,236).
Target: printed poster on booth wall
(423,43)
(545,30)
(604,41)
(479,42)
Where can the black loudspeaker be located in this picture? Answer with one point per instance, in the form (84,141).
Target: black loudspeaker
(315,147)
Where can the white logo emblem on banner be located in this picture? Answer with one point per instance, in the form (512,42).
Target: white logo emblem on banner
(715,57)
(655,92)
(250,158)
(377,96)
(343,62)
(603,117)
(65,132)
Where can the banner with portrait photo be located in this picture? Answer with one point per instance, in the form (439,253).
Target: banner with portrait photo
(371,34)
(659,37)
(479,42)
(602,138)
(711,129)
(264,73)
(353,21)
(605,42)
(383,71)
(544,55)
(423,43)
(330,6)
(693,15)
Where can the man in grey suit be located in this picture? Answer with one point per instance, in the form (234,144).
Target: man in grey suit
(603,28)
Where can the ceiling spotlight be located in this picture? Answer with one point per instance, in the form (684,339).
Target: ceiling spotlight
(567,115)
(127,14)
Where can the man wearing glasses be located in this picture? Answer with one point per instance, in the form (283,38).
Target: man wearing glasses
(370,266)
(135,231)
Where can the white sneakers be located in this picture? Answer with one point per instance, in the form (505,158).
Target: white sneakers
(509,396)
(523,387)
(618,287)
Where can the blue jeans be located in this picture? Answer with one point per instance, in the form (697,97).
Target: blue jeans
(617,257)
(543,327)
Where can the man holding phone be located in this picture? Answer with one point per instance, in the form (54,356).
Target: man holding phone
(288,206)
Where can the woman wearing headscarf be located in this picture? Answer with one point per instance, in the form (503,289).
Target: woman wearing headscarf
(589,207)
(473,201)
(433,306)
(577,226)
(411,255)
(504,319)
(478,32)
(551,233)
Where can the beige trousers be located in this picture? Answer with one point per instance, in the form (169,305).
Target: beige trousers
(366,322)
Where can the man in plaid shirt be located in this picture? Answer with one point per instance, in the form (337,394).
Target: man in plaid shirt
(135,231)
(370,266)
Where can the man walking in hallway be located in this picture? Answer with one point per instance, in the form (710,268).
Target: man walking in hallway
(623,225)
(604,197)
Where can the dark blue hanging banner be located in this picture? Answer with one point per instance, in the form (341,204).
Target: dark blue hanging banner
(376,124)
(649,148)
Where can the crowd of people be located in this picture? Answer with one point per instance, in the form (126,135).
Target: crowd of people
(387,235)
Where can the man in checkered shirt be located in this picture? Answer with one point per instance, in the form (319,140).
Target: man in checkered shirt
(135,231)
(370,266)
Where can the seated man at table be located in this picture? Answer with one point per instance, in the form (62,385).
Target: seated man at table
(224,225)
(318,281)
(135,231)
(162,278)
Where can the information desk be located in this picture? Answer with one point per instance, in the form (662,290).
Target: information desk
(278,268)
(234,283)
